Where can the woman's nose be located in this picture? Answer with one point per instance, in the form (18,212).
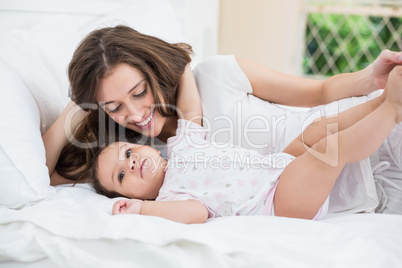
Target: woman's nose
(135,112)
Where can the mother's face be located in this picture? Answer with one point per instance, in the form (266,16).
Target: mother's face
(126,97)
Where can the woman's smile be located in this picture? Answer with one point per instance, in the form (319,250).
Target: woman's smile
(146,122)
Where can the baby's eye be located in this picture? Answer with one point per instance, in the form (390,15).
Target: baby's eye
(128,153)
(121,176)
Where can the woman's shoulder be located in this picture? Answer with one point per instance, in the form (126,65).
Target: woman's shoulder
(216,62)
(221,70)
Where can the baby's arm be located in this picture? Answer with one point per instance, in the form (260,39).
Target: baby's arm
(188,99)
(187,211)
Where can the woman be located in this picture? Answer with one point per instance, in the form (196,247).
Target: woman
(189,191)
(134,79)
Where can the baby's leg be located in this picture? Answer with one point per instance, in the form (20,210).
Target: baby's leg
(308,180)
(321,127)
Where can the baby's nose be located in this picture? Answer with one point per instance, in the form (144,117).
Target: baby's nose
(132,165)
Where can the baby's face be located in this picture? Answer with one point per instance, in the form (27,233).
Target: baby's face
(135,171)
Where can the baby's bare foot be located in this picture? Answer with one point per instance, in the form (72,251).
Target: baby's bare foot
(394,90)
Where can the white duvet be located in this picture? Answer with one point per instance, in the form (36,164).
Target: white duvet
(75,228)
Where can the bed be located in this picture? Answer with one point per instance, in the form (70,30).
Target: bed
(65,226)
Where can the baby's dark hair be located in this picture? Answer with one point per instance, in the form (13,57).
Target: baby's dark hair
(76,157)
(94,178)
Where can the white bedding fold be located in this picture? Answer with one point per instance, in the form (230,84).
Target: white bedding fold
(75,228)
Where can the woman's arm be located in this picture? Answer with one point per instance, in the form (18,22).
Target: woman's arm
(188,211)
(57,136)
(286,89)
(188,99)
(57,179)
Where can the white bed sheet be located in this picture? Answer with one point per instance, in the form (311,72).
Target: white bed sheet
(75,228)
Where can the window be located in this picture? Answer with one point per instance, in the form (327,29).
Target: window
(346,36)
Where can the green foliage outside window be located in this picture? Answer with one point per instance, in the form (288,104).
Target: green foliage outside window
(360,37)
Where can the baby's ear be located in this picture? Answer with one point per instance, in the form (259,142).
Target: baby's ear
(159,152)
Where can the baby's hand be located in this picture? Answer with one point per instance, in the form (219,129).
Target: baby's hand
(127,206)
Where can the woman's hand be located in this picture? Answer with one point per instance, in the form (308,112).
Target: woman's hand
(188,99)
(57,136)
(73,117)
(383,65)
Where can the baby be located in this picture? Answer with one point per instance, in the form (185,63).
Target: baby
(228,181)
(201,180)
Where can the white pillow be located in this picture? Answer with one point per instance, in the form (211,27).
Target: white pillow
(23,174)
(40,55)
(34,92)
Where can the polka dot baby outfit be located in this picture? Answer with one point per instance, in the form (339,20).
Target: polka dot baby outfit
(228,180)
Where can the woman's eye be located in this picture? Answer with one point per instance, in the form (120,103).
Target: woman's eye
(128,153)
(121,176)
(114,110)
(142,93)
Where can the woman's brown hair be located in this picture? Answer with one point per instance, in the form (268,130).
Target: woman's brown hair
(102,50)
(96,56)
